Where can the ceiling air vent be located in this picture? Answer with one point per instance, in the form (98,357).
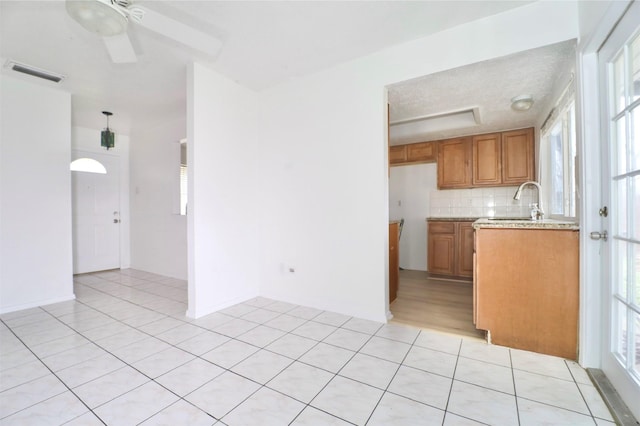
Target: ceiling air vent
(34,71)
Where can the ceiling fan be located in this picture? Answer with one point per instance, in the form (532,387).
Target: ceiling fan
(110,18)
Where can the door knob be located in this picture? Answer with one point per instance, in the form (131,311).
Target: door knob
(595,235)
(116,220)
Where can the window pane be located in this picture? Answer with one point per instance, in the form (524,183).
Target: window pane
(636,345)
(634,196)
(618,84)
(620,279)
(620,216)
(636,352)
(620,140)
(634,140)
(571,173)
(557,170)
(635,273)
(620,337)
(634,51)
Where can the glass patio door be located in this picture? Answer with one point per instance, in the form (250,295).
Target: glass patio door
(620,70)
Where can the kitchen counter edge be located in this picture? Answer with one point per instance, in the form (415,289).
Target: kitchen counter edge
(452,219)
(526,224)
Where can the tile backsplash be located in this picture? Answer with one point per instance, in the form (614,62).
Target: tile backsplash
(481,202)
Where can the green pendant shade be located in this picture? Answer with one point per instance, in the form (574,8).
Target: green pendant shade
(107,137)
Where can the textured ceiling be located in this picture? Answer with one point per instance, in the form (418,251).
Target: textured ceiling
(264,43)
(488,85)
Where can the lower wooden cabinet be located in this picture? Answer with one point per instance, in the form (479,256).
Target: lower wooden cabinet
(450,248)
(526,289)
(394,260)
(465,249)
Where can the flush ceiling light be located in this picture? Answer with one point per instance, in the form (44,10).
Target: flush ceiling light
(107,137)
(415,127)
(521,103)
(98,16)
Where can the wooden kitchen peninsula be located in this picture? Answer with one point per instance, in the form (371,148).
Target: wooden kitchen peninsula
(526,286)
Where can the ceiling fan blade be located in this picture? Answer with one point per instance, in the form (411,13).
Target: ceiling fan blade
(178,31)
(120,49)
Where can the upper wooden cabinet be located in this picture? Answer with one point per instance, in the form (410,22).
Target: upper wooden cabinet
(493,159)
(423,152)
(398,154)
(487,161)
(454,163)
(517,156)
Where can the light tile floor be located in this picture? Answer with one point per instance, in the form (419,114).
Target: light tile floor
(123,353)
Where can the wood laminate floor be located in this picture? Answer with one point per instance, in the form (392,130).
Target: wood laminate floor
(443,305)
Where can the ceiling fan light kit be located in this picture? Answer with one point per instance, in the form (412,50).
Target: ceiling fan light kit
(98,16)
(110,18)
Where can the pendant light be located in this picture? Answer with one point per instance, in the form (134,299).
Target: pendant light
(107,139)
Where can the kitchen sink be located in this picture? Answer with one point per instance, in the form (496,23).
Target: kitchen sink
(508,218)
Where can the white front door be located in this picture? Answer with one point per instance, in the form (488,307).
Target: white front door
(96,215)
(620,88)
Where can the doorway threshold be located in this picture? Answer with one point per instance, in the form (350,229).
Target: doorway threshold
(619,410)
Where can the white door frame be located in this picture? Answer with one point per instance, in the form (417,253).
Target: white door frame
(87,190)
(84,139)
(627,386)
(592,321)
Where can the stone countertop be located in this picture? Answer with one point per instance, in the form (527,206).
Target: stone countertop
(393,221)
(451,219)
(525,224)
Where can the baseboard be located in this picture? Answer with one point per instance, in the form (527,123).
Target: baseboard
(36,304)
(194,314)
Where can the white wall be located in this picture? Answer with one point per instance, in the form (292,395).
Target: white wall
(158,232)
(223,191)
(324,203)
(88,140)
(35,189)
(410,189)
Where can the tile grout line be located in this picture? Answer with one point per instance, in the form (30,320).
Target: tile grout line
(54,374)
(515,390)
(386,389)
(446,406)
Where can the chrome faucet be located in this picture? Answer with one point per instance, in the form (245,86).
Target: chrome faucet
(540,211)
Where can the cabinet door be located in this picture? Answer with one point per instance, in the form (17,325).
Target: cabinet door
(465,249)
(441,252)
(486,160)
(422,152)
(517,156)
(454,163)
(398,154)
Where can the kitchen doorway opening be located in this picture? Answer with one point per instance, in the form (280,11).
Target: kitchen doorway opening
(439,304)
